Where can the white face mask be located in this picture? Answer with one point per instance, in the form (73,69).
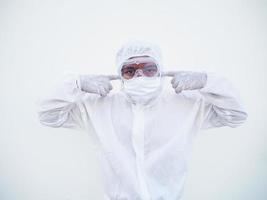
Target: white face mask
(141,90)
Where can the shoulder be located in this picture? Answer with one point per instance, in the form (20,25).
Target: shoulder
(186,95)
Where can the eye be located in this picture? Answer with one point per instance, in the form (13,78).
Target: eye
(151,68)
(128,70)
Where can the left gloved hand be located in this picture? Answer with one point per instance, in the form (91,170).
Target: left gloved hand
(187,80)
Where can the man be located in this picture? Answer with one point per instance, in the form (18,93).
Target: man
(144,133)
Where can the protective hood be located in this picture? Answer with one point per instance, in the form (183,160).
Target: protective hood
(140,90)
(134,48)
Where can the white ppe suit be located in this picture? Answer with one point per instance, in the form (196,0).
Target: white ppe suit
(143,149)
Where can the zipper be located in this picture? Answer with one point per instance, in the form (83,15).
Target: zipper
(138,145)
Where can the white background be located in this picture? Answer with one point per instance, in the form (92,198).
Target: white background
(41,39)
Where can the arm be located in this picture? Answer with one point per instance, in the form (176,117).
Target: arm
(65,106)
(221,104)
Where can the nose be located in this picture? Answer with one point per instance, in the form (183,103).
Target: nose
(138,73)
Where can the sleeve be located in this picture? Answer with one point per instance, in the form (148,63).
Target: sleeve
(65,105)
(221,104)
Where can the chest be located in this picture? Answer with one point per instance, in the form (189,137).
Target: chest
(167,122)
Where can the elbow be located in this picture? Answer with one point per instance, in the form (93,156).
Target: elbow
(54,120)
(237,119)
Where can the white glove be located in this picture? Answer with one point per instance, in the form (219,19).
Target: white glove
(98,84)
(187,80)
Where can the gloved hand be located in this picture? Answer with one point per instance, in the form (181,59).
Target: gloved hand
(98,84)
(187,80)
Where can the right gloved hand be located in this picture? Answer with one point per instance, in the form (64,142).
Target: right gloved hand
(98,84)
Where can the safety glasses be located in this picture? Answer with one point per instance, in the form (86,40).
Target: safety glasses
(145,67)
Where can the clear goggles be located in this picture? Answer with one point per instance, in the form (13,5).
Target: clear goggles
(139,66)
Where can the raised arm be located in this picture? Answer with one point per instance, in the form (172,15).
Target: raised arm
(65,106)
(219,102)
(222,105)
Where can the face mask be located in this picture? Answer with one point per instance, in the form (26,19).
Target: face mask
(141,90)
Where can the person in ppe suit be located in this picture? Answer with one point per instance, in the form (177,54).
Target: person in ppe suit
(143,132)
